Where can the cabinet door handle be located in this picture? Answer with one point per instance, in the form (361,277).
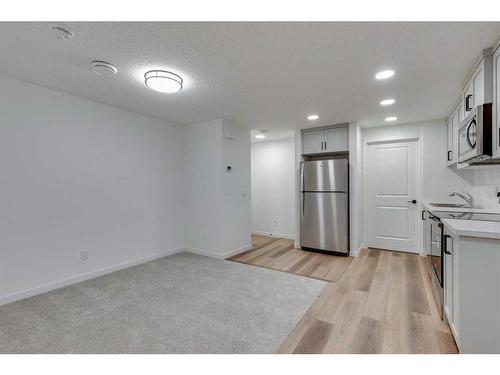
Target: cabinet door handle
(449,155)
(325,145)
(445,244)
(467,103)
(423,215)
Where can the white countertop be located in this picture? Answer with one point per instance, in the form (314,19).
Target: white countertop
(490,210)
(469,228)
(473,228)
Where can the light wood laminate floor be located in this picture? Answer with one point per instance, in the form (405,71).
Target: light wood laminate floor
(280,254)
(379,302)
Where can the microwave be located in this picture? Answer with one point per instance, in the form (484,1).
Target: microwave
(474,135)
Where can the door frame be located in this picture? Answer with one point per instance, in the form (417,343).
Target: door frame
(419,187)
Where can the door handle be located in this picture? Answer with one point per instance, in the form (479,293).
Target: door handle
(423,215)
(449,157)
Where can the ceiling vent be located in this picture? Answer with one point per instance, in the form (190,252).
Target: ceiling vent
(103,68)
(62,32)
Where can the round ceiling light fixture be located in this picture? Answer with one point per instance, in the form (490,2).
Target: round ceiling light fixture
(62,32)
(312,117)
(384,74)
(163,81)
(103,68)
(387,102)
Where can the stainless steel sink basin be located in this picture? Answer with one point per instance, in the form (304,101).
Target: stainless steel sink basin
(450,205)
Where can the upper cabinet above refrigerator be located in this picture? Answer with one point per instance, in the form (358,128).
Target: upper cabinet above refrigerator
(325,140)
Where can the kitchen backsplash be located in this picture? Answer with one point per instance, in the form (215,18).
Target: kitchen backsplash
(486,183)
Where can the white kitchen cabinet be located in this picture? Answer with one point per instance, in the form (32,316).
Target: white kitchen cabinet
(449,141)
(479,87)
(325,140)
(471,285)
(312,141)
(496,103)
(448,286)
(336,139)
(452,125)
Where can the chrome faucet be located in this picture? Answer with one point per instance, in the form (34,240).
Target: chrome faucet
(467,197)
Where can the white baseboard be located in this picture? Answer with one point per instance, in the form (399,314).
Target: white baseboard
(356,253)
(278,235)
(83,277)
(211,254)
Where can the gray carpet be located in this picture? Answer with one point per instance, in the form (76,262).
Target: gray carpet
(183,303)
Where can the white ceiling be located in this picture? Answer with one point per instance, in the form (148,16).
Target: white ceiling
(265,75)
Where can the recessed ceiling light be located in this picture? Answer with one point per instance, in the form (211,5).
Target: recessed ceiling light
(163,81)
(391,118)
(260,136)
(103,68)
(62,32)
(384,74)
(387,102)
(312,117)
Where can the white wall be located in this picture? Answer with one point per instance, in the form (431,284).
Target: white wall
(273,188)
(77,175)
(217,202)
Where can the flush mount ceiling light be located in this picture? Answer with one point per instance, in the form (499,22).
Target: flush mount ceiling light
(163,81)
(312,117)
(103,68)
(384,74)
(62,32)
(387,102)
(391,118)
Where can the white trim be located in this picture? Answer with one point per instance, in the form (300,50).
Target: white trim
(397,140)
(356,253)
(211,254)
(419,140)
(277,235)
(83,277)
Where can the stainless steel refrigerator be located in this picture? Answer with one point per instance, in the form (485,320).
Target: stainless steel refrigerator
(324,219)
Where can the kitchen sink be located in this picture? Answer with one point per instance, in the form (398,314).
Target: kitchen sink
(450,205)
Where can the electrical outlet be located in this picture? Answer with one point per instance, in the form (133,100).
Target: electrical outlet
(83,255)
(203,236)
(276,223)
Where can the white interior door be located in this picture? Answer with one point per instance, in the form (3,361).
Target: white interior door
(392,184)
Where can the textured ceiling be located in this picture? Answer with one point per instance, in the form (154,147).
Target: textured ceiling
(265,75)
